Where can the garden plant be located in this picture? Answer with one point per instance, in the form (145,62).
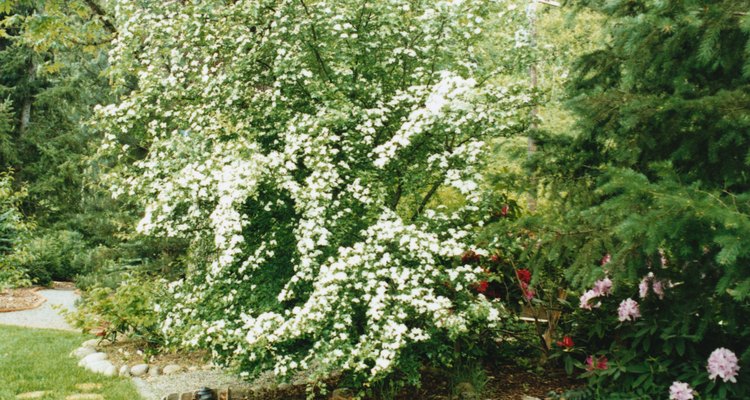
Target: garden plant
(365,192)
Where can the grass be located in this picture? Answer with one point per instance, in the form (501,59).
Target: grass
(37,360)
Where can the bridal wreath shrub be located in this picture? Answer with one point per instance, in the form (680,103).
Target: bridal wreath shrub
(302,147)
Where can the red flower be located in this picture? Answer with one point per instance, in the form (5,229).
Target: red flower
(482,286)
(524,275)
(599,363)
(470,257)
(567,342)
(495,259)
(504,210)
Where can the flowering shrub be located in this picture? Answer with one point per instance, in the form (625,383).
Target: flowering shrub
(302,146)
(626,333)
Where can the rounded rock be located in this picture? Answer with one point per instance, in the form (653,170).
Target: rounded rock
(94,357)
(103,367)
(139,370)
(82,352)
(124,370)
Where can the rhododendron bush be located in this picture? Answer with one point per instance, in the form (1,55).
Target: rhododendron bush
(302,147)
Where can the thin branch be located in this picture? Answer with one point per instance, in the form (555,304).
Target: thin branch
(314,46)
(427,198)
(397,195)
(98,10)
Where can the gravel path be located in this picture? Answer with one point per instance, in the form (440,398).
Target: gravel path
(47,315)
(158,387)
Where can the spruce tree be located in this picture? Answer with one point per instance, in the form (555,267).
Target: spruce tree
(657,176)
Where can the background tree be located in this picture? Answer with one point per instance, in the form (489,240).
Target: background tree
(655,175)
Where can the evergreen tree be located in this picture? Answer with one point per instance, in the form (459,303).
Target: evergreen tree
(656,176)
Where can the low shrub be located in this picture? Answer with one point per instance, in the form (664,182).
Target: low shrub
(12,228)
(11,277)
(128,310)
(50,256)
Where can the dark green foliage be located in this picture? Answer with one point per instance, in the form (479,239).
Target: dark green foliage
(50,257)
(13,228)
(658,166)
(48,69)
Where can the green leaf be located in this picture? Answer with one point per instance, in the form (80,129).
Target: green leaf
(639,381)
(680,347)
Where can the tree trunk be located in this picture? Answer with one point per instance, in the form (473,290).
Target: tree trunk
(26,107)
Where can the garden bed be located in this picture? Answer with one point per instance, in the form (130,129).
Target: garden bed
(130,352)
(20,299)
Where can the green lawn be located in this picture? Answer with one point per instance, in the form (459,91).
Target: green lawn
(37,360)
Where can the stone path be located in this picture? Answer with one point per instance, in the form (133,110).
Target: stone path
(45,316)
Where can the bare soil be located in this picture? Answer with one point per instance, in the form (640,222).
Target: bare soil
(131,352)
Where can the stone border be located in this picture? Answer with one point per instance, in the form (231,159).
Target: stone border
(39,301)
(93,359)
(246,393)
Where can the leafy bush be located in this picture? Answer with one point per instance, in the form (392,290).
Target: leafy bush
(129,309)
(13,277)
(50,256)
(12,229)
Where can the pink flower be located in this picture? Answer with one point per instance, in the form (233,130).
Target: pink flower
(643,287)
(606,259)
(723,363)
(663,258)
(603,286)
(628,310)
(587,297)
(658,287)
(528,294)
(680,391)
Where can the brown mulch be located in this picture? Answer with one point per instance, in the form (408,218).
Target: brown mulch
(20,299)
(512,383)
(63,285)
(504,382)
(130,352)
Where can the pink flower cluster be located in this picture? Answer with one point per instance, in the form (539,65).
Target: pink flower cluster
(602,287)
(656,285)
(628,310)
(723,363)
(680,391)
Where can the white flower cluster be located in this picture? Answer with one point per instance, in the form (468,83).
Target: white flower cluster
(301,147)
